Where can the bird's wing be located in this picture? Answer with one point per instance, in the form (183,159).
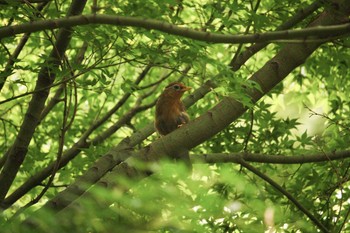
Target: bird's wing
(183,118)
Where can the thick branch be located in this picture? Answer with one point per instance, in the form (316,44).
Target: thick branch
(300,34)
(228,110)
(67,156)
(82,143)
(114,157)
(277,159)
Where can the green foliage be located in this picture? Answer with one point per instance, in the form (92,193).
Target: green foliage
(212,199)
(109,81)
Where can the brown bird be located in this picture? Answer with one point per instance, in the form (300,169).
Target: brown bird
(170,111)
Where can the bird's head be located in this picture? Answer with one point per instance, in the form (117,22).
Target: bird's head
(175,90)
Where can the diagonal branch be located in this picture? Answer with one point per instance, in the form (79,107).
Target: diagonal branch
(229,109)
(83,142)
(216,119)
(114,157)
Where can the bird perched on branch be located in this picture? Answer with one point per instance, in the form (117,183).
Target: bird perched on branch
(171,114)
(170,111)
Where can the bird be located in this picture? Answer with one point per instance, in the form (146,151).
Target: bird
(170,115)
(170,111)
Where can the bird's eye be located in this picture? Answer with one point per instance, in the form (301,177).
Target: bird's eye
(177,87)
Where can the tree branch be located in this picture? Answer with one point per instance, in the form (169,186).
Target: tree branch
(301,34)
(5,2)
(285,193)
(220,116)
(114,157)
(238,61)
(11,61)
(276,159)
(211,122)
(83,142)
(67,156)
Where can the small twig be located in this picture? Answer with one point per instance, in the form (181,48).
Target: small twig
(345,220)
(285,193)
(58,159)
(50,86)
(274,159)
(12,57)
(157,82)
(313,113)
(250,132)
(238,51)
(300,15)
(56,185)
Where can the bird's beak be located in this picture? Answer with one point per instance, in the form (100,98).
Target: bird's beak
(186,88)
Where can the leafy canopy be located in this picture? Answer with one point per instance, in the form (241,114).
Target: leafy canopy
(102,93)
